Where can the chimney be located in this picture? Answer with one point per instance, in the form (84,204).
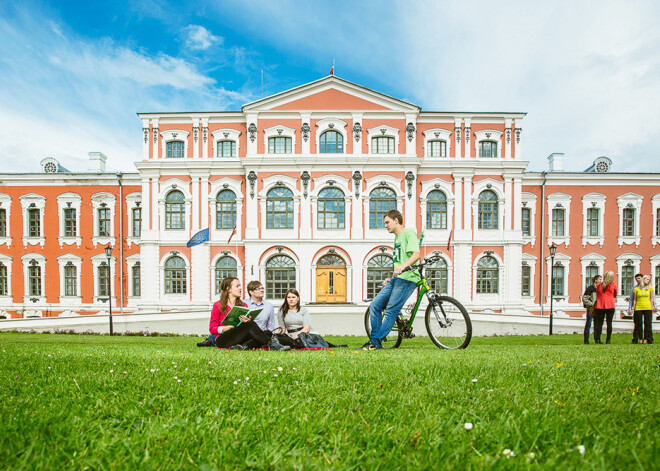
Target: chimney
(556,161)
(97,162)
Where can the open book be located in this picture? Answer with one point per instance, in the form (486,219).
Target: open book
(236,311)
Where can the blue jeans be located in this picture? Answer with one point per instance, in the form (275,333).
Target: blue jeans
(386,306)
(587,327)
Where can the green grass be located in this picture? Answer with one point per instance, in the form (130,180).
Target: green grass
(66,403)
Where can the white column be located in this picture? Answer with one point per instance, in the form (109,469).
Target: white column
(251,206)
(149,279)
(204,137)
(146,206)
(252,139)
(196,138)
(457,137)
(204,203)
(508,197)
(155,141)
(195,204)
(468,138)
(467,204)
(411,145)
(145,139)
(155,189)
(199,274)
(357,141)
(507,138)
(411,207)
(305,118)
(305,212)
(458,203)
(463,272)
(358,213)
(517,202)
(517,138)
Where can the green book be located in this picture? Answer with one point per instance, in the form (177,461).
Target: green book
(236,311)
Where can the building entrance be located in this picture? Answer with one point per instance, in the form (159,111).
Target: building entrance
(331,280)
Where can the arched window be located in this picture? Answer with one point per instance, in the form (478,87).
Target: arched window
(279,208)
(175,149)
(175,210)
(226,148)
(331,261)
(225,210)
(331,142)
(436,276)
(382,145)
(175,276)
(280,276)
(488,276)
(488,211)
(381,200)
(330,209)
(437,148)
(436,210)
(279,145)
(3,279)
(224,267)
(488,149)
(379,268)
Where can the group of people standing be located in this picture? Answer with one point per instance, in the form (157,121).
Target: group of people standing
(259,332)
(600,300)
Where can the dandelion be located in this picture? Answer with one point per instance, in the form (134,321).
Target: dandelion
(559,365)
(279,368)
(634,390)
(468,426)
(580,448)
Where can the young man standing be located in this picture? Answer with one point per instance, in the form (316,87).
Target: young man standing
(591,289)
(388,302)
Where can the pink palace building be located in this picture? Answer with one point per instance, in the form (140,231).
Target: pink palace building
(304,177)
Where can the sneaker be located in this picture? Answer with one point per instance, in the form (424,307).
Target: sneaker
(367,347)
(276,346)
(239,346)
(206,343)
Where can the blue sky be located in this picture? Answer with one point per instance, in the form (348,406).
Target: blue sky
(73,74)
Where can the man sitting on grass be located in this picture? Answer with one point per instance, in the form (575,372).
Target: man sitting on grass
(387,304)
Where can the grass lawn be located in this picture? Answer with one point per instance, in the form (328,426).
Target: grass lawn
(75,401)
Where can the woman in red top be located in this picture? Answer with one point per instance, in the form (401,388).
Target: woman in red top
(604,307)
(245,335)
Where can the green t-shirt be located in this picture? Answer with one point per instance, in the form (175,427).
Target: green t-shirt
(405,244)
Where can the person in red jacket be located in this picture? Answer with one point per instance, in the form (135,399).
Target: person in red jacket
(604,308)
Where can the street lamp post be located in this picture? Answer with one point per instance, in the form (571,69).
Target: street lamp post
(108,253)
(553,250)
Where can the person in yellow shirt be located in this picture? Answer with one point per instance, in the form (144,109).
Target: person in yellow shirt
(644,307)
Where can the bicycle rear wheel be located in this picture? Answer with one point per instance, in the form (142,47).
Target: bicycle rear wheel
(393,339)
(448,323)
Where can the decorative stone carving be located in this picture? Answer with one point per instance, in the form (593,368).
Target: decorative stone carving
(252,129)
(518,131)
(457,130)
(410,179)
(205,133)
(331,125)
(467,134)
(145,131)
(508,134)
(383,131)
(357,131)
(155,131)
(410,129)
(279,132)
(225,185)
(357,182)
(304,129)
(174,134)
(305,177)
(195,133)
(331,182)
(252,177)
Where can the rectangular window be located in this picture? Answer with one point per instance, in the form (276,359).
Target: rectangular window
(70,222)
(34,280)
(526,222)
(34,223)
(135,272)
(70,280)
(526,288)
(3,280)
(628,222)
(657,279)
(175,149)
(627,279)
(558,222)
(104,222)
(592,270)
(437,149)
(488,149)
(657,224)
(279,145)
(137,222)
(226,149)
(3,222)
(382,145)
(104,279)
(558,280)
(593,216)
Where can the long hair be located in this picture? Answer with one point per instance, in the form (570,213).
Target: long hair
(607,279)
(225,285)
(285,305)
(644,286)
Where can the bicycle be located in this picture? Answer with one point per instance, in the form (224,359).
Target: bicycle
(447,321)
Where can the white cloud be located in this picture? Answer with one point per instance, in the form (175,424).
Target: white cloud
(199,37)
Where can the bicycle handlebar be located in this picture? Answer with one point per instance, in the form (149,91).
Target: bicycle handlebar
(427,261)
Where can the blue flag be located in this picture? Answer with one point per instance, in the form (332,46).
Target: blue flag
(199,238)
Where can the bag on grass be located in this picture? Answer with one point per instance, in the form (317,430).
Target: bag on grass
(313,341)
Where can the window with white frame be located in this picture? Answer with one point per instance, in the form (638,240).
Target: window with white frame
(103,207)
(379,268)
(526,220)
(528,213)
(4,280)
(279,140)
(136,222)
(104,221)
(559,211)
(657,279)
(70,279)
(591,270)
(592,264)
(436,210)
(225,267)
(526,280)
(488,149)
(133,203)
(628,265)
(175,149)
(34,268)
(226,148)
(5,205)
(175,276)
(70,222)
(488,275)
(558,273)
(136,280)
(279,208)
(488,143)
(627,279)
(225,210)
(280,145)
(103,279)
(34,279)
(68,205)
(226,143)
(174,143)
(33,206)
(381,200)
(383,140)
(331,212)
(558,279)
(331,142)
(629,210)
(655,204)
(34,222)
(488,210)
(437,142)
(280,276)
(69,265)
(175,210)
(437,276)
(558,222)
(657,222)
(593,222)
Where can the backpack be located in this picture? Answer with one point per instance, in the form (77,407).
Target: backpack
(589,300)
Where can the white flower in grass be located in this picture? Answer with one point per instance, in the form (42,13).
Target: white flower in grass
(178,380)
(125,372)
(531,455)
(279,368)
(508,453)
(235,382)
(112,371)
(176,377)
(247,378)
(580,448)
(152,370)
(468,425)
(275,374)
(475,380)
(49,367)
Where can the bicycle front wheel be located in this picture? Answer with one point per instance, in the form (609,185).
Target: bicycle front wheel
(448,323)
(392,340)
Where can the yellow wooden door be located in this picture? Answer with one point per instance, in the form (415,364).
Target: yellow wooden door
(331,284)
